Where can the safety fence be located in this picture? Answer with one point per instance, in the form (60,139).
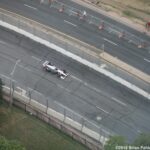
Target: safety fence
(98,23)
(81,123)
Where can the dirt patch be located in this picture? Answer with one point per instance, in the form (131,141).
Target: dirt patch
(135,10)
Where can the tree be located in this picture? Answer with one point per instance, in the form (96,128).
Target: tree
(113,142)
(1,91)
(10,145)
(143,139)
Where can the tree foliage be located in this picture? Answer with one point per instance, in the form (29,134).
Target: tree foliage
(143,139)
(113,142)
(10,145)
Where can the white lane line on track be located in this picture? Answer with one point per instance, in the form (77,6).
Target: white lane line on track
(60,86)
(110,41)
(109,74)
(70,23)
(30,7)
(103,65)
(86,84)
(34,90)
(147,60)
(139,131)
(71,110)
(60,104)
(2,42)
(14,68)
(76,78)
(38,59)
(7,57)
(72,12)
(14,61)
(5,76)
(26,69)
(102,110)
(99,91)
(118,101)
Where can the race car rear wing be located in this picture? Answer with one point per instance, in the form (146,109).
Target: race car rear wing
(45,63)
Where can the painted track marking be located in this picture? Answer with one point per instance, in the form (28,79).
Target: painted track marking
(38,59)
(118,101)
(70,23)
(147,60)
(30,7)
(2,42)
(110,41)
(102,110)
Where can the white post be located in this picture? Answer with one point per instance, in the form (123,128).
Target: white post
(11,85)
(103,47)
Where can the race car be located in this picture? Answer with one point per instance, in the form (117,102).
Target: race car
(62,74)
(48,66)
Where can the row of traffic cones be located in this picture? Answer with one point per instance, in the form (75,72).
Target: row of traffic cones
(102,26)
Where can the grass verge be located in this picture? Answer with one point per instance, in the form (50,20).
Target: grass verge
(130,14)
(33,133)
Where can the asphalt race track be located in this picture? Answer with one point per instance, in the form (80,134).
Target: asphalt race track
(100,99)
(124,50)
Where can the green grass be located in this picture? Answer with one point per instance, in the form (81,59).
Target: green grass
(140,10)
(131,14)
(145,1)
(33,133)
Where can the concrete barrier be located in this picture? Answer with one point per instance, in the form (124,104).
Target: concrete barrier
(77,58)
(86,136)
(93,51)
(115,61)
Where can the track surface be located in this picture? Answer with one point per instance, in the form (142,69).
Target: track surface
(100,99)
(139,58)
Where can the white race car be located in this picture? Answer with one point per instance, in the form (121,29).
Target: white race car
(53,69)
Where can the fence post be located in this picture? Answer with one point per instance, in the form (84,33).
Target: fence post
(100,134)
(46,105)
(10,99)
(13,87)
(29,96)
(83,121)
(64,115)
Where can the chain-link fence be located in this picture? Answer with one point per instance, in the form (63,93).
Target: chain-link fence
(32,95)
(100,24)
